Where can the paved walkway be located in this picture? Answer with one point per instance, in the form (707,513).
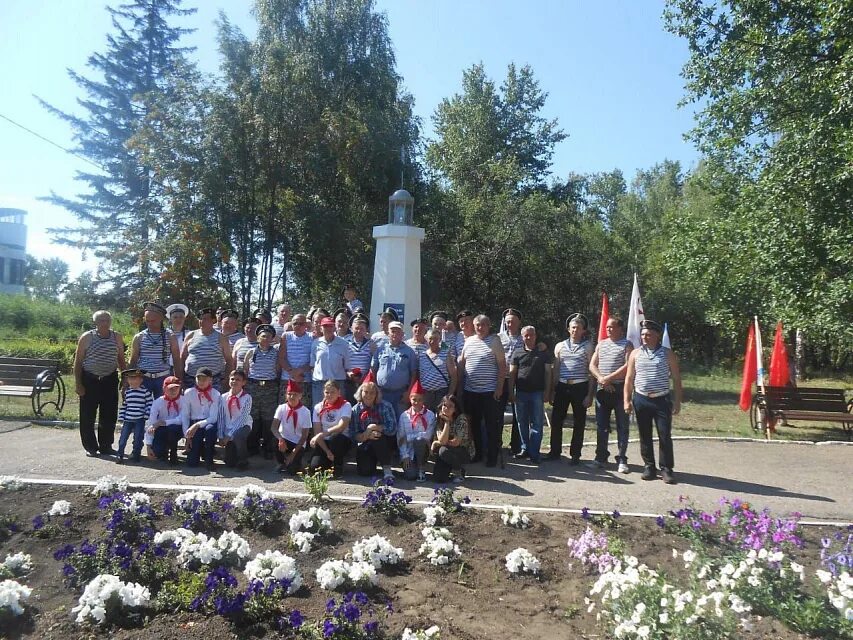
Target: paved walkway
(785,477)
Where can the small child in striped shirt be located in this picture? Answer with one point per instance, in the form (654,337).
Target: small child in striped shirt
(134,411)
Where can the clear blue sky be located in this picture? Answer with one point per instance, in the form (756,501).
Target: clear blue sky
(611,72)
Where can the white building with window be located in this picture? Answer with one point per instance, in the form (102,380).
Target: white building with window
(13,250)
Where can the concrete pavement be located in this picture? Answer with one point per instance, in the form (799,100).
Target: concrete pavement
(785,477)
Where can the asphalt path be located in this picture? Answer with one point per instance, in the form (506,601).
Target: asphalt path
(785,477)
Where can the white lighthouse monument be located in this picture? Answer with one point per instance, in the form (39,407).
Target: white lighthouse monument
(397,270)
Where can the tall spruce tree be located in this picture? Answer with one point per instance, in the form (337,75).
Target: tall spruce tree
(120,215)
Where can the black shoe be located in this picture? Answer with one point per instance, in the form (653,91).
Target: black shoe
(552,455)
(210,466)
(520,455)
(492,463)
(108,451)
(92,453)
(230,455)
(649,473)
(242,466)
(667,476)
(574,461)
(136,458)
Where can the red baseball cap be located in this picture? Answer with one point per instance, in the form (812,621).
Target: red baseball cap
(171,381)
(327,322)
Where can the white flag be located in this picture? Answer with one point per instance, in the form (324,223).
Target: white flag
(759,358)
(665,340)
(635,315)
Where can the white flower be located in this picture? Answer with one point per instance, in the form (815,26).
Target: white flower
(315,519)
(438,546)
(521,560)
(186,499)
(421,634)
(250,490)
(196,548)
(336,573)
(513,517)
(274,565)
(302,540)
(108,485)
(19,563)
(13,595)
(688,557)
(11,483)
(434,516)
(107,589)
(824,576)
(60,508)
(376,550)
(798,569)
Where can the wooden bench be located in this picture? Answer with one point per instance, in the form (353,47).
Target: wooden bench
(34,378)
(808,404)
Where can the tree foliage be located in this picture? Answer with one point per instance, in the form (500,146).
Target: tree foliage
(46,279)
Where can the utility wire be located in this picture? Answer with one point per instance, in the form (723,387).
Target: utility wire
(57,145)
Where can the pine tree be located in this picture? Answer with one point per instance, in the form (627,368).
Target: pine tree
(121,213)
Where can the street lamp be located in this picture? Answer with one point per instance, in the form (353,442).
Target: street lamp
(401,207)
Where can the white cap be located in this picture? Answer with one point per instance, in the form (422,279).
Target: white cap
(177,307)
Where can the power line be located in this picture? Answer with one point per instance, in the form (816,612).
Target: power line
(55,144)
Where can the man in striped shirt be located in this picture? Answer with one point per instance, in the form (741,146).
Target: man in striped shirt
(261,366)
(135,408)
(436,370)
(361,349)
(294,356)
(608,365)
(647,392)
(154,350)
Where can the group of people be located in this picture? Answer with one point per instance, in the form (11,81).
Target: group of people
(309,388)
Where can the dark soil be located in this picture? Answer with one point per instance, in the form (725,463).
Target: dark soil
(472,599)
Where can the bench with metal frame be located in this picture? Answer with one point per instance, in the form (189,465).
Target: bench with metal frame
(36,378)
(809,404)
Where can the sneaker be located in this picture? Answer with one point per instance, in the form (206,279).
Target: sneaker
(595,464)
(520,455)
(623,468)
(120,460)
(421,476)
(649,473)
(667,476)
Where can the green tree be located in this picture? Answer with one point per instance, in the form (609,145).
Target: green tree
(121,214)
(774,122)
(46,279)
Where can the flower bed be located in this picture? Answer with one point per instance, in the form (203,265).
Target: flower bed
(367,577)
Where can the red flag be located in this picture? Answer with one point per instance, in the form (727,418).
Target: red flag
(750,370)
(779,374)
(605,316)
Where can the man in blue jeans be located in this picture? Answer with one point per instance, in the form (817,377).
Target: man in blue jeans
(608,365)
(529,388)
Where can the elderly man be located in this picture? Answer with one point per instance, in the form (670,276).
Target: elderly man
(99,356)
(177,313)
(438,322)
(154,349)
(260,364)
(530,388)
(361,349)
(294,356)
(512,343)
(281,319)
(395,367)
(484,364)
(418,342)
(206,347)
(572,388)
(647,392)
(609,365)
(230,319)
(330,358)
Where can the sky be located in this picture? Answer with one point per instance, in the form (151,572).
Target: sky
(610,70)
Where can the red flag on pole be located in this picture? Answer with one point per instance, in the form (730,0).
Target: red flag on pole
(605,316)
(779,374)
(750,370)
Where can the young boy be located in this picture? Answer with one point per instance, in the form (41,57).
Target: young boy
(135,408)
(235,423)
(199,417)
(353,304)
(291,425)
(416,429)
(165,424)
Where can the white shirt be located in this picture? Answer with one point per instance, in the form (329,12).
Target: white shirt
(196,408)
(286,428)
(331,417)
(407,433)
(162,410)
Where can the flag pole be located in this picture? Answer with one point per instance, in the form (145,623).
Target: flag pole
(759,356)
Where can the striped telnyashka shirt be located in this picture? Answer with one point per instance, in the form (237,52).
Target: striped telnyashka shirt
(433,369)
(205,351)
(359,354)
(298,351)
(651,371)
(574,360)
(154,351)
(137,404)
(512,345)
(612,356)
(243,345)
(101,357)
(481,366)
(262,363)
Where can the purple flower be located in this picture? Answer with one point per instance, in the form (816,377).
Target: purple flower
(370,628)
(38,523)
(660,521)
(63,552)
(329,628)
(585,513)
(295,619)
